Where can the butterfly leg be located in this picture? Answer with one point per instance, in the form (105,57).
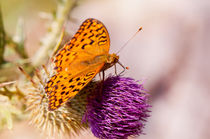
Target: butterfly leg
(103,73)
(100,75)
(124,68)
(102,83)
(115,69)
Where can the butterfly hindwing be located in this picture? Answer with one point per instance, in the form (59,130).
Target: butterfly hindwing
(64,87)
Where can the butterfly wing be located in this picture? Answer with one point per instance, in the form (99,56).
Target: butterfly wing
(92,38)
(64,87)
(77,62)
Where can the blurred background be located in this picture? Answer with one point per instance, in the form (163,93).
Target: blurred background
(171,54)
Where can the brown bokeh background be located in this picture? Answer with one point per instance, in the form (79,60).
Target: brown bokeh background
(171,54)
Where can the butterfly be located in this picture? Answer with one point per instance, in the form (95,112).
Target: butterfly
(78,62)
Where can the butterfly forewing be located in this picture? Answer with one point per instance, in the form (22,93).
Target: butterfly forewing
(92,37)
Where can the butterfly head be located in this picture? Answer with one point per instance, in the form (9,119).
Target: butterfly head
(112,58)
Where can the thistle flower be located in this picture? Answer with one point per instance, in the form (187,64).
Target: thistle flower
(120,110)
(66,120)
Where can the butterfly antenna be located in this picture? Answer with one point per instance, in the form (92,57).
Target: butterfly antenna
(130,39)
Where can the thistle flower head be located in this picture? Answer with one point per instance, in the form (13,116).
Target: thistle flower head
(120,110)
(64,121)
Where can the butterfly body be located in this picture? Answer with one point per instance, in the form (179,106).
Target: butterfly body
(107,59)
(79,61)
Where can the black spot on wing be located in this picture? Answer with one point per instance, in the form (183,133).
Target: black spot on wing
(102,42)
(92,41)
(71,86)
(70,80)
(99,34)
(91,36)
(90,74)
(62,92)
(78,79)
(56,87)
(102,37)
(99,28)
(83,47)
(67,93)
(76,90)
(91,22)
(67,59)
(60,101)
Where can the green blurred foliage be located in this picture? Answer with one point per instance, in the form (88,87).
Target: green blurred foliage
(14,9)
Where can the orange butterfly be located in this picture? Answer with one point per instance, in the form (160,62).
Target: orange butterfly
(78,62)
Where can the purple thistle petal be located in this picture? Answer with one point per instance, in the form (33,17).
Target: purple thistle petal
(120,110)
